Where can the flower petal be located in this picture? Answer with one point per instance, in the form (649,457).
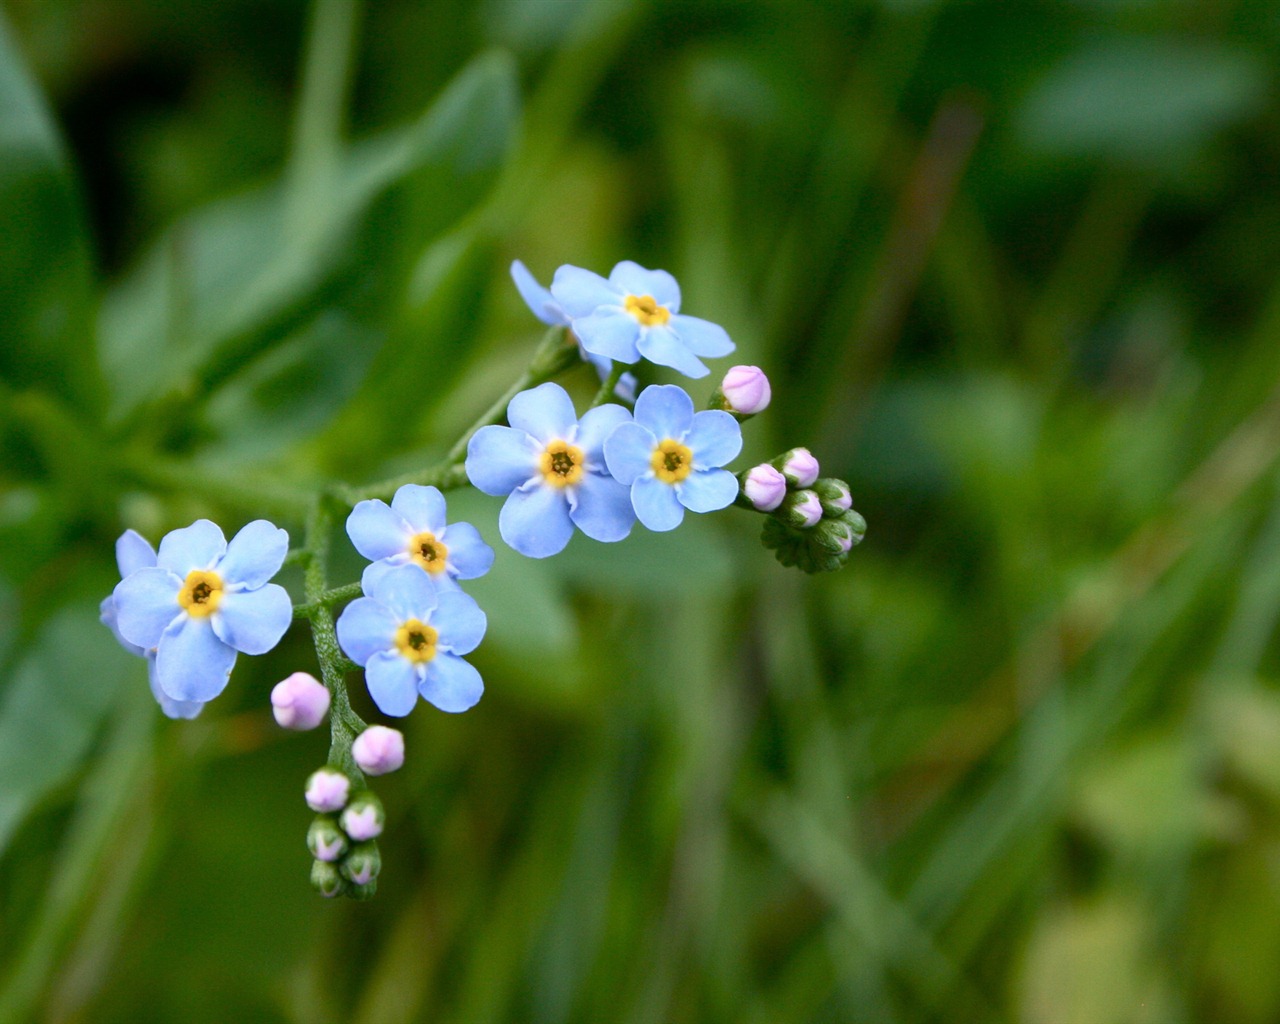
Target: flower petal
(107,616)
(133,553)
(661,346)
(451,684)
(366,627)
(629,449)
(702,337)
(377,530)
(656,504)
(196,546)
(581,292)
(611,333)
(500,459)
(545,412)
(535,520)
(146,603)
(469,556)
(254,555)
(460,622)
(666,409)
(192,664)
(601,508)
(172,708)
(253,621)
(707,490)
(406,591)
(594,429)
(392,682)
(539,299)
(634,279)
(715,438)
(423,508)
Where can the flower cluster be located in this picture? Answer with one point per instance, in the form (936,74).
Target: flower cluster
(342,837)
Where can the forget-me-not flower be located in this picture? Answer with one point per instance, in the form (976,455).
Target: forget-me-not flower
(671,458)
(553,469)
(636,313)
(203,601)
(410,637)
(413,530)
(134,553)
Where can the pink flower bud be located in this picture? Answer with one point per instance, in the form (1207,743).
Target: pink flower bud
(800,467)
(363,818)
(300,702)
(764,487)
(806,509)
(379,750)
(327,790)
(746,389)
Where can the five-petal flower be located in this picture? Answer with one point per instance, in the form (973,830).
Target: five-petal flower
(671,458)
(202,601)
(553,469)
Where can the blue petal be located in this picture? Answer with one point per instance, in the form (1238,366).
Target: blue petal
(460,622)
(392,682)
(702,336)
(535,520)
(629,450)
(377,530)
(610,333)
(197,546)
(633,279)
(545,413)
(451,684)
(601,508)
(656,504)
(405,590)
(366,627)
(714,439)
(707,490)
(374,571)
(192,664)
(666,409)
(146,603)
(172,708)
(469,556)
(596,426)
(661,346)
(133,553)
(581,293)
(107,616)
(254,555)
(538,299)
(423,508)
(500,459)
(253,621)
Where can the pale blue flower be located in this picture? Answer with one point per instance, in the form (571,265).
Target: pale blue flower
(671,458)
(409,636)
(552,467)
(202,601)
(544,306)
(635,313)
(413,530)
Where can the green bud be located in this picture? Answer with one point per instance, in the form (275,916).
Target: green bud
(834,495)
(325,879)
(325,840)
(363,892)
(800,510)
(362,864)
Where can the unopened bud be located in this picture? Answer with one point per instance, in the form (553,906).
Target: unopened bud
(362,864)
(363,817)
(835,497)
(325,879)
(764,487)
(798,466)
(833,536)
(857,525)
(379,750)
(300,702)
(363,892)
(801,510)
(744,391)
(327,790)
(325,840)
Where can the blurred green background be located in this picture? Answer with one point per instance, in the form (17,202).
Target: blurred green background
(1013,270)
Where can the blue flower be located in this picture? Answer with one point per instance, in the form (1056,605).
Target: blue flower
(544,306)
(671,458)
(634,314)
(410,636)
(202,601)
(134,553)
(412,530)
(553,468)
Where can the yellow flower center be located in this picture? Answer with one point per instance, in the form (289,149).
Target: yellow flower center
(201,594)
(417,640)
(671,461)
(561,464)
(429,552)
(645,309)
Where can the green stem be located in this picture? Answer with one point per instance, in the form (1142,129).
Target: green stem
(609,385)
(332,596)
